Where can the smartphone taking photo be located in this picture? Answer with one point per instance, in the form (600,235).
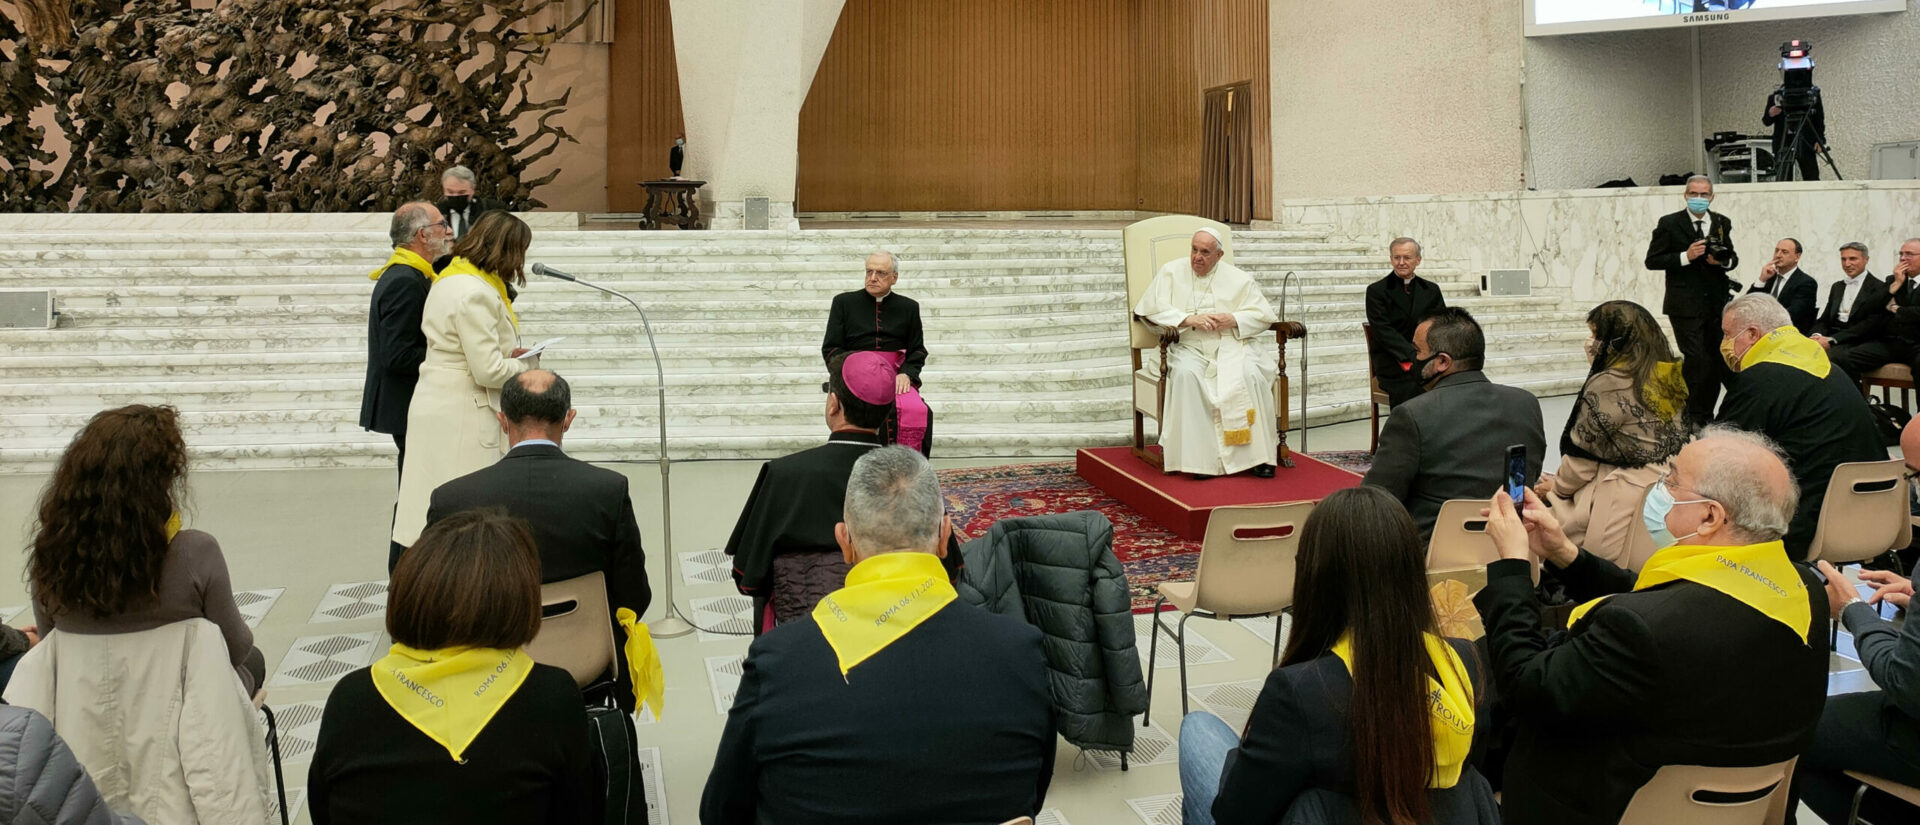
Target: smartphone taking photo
(1517,476)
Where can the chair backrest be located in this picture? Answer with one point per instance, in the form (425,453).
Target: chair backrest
(1460,537)
(1671,796)
(1149,245)
(576,628)
(1870,498)
(1247,557)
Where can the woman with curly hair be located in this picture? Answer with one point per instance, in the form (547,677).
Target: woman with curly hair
(1625,426)
(108,554)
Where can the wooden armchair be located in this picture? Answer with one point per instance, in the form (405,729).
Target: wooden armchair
(1149,245)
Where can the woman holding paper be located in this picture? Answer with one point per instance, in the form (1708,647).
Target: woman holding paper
(473,347)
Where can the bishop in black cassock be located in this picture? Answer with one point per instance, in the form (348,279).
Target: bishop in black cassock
(876,318)
(784,553)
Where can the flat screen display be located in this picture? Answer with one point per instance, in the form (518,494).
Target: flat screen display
(1576,16)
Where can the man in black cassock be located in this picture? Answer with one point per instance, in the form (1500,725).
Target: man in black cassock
(876,318)
(784,553)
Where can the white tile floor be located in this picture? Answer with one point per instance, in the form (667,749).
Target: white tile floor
(308,549)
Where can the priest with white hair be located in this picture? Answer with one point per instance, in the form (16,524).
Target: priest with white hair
(1219,417)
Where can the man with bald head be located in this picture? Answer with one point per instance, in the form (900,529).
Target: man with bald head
(1396,304)
(1219,385)
(874,318)
(581,515)
(1715,653)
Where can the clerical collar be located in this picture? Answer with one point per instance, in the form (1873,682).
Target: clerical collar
(878,299)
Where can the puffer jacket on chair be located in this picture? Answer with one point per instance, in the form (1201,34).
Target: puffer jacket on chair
(1059,573)
(158,717)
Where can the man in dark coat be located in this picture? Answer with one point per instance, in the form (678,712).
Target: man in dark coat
(457,200)
(395,344)
(875,318)
(1796,290)
(1716,654)
(784,553)
(1395,305)
(1900,344)
(1697,287)
(1806,153)
(1857,315)
(1452,441)
(1787,391)
(581,515)
(892,701)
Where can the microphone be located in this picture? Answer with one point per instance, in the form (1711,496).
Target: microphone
(543,269)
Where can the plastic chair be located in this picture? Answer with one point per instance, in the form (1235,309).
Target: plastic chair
(1672,796)
(1245,570)
(1378,397)
(1905,793)
(1149,245)
(1868,498)
(1460,538)
(576,628)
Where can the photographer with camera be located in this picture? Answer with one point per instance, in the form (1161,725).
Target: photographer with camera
(1694,246)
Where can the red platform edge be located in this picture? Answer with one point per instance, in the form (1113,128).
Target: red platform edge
(1182,504)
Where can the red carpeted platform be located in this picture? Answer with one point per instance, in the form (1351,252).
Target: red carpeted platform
(1181,503)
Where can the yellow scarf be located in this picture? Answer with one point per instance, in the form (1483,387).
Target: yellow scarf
(1666,392)
(1787,347)
(173,527)
(643,662)
(886,597)
(462,266)
(406,257)
(450,695)
(1757,575)
(1450,700)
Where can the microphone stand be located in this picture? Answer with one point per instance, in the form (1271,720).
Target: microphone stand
(1286,281)
(672,624)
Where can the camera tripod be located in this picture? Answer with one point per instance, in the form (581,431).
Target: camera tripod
(1800,133)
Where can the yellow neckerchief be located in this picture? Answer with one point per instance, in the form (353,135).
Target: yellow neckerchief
(1450,701)
(450,695)
(886,597)
(1666,392)
(173,527)
(643,662)
(405,257)
(462,266)
(1787,347)
(1757,575)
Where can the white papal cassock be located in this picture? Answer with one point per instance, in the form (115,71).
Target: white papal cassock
(1219,384)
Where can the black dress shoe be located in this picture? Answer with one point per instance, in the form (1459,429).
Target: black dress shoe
(1262,471)
(1199,477)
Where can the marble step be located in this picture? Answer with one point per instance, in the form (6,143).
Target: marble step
(820,293)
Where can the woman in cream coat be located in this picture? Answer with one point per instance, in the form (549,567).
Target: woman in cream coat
(472,347)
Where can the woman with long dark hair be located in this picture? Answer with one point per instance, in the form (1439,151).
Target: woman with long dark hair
(1370,717)
(109,554)
(473,347)
(1625,426)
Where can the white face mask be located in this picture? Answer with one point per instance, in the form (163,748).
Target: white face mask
(1659,505)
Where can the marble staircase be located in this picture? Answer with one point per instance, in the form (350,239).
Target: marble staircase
(259,336)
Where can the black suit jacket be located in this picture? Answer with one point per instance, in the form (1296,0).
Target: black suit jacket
(1679,674)
(1297,740)
(1393,313)
(475,208)
(1819,423)
(1905,321)
(1698,289)
(582,520)
(1868,319)
(1799,294)
(395,348)
(951,723)
(1451,442)
(855,323)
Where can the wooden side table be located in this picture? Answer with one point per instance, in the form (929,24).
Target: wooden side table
(672,201)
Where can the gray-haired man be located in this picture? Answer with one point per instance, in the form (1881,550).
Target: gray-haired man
(458,202)
(893,701)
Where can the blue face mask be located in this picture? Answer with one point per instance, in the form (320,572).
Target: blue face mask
(1698,206)
(1654,515)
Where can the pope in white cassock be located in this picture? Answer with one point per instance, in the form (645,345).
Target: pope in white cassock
(1219,385)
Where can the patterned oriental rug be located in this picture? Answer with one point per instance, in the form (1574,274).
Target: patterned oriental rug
(979,496)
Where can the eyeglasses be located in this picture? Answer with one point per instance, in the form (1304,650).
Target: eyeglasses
(1666,480)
